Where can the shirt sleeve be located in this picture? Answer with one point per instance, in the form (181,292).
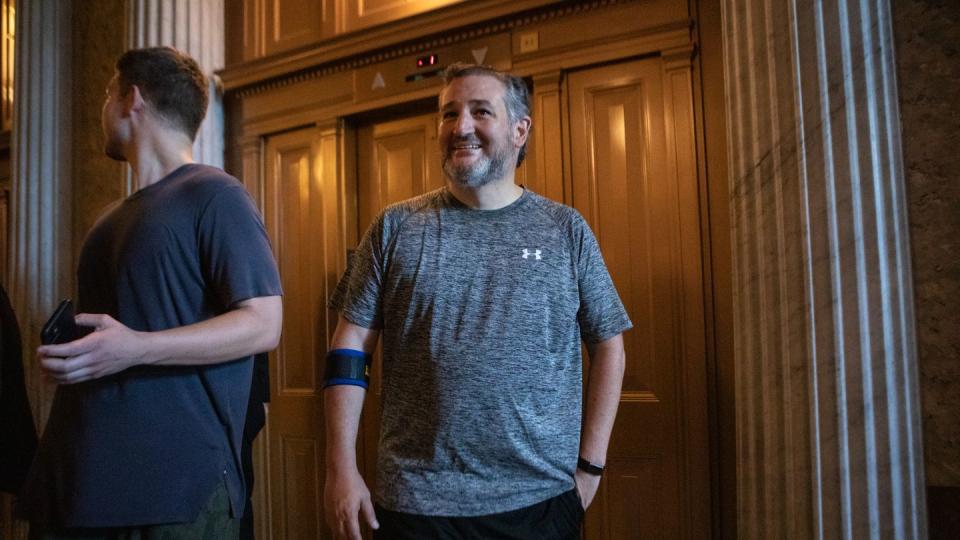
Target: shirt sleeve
(601,315)
(358,295)
(235,253)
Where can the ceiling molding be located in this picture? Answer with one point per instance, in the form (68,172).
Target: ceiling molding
(401,39)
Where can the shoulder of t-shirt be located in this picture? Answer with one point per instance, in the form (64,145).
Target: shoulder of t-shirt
(207,180)
(110,208)
(206,183)
(568,220)
(395,215)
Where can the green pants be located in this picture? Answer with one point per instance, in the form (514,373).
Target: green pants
(213,523)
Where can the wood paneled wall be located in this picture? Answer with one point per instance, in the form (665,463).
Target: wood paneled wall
(268,27)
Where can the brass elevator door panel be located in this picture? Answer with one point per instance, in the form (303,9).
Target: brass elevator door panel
(622,140)
(301,215)
(396,160)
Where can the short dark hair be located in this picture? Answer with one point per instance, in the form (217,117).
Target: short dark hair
(516,97)
(170,81)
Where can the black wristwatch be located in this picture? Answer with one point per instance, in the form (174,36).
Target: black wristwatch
(589,468)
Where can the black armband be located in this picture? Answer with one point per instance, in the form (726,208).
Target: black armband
(347,366)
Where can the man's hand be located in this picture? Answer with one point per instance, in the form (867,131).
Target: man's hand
(345,497)
(587,485)
(110,348)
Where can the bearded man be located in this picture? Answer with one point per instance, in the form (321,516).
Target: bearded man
(483,292)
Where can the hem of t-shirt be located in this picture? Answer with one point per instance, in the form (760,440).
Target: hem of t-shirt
(600,338)
(250,295)
(106,520)
(369,324)
(477,510)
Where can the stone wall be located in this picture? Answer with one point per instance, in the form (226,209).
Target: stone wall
(927,40)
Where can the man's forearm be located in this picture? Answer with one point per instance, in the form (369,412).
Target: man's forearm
(605,380)
(251,327)
(342,406)
(345,494)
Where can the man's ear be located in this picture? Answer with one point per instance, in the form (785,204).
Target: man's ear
(133,101)
(521,130)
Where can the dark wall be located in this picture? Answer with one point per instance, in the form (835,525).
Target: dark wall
(927,39)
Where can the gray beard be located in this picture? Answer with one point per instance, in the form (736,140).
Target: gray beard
(477,175)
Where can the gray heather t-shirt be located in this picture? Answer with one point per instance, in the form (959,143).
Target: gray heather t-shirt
(482,315)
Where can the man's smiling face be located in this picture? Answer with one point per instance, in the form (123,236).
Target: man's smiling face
(477,138)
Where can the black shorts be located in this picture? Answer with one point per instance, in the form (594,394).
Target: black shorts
(558,518)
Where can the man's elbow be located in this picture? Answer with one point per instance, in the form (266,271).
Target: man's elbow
(271,337)
(267,321)
(612,354)
(615,363)
(621,363)
(273,327)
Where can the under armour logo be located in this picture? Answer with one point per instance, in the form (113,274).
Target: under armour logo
(536,254)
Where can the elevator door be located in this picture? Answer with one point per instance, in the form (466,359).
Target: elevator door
(300,213)
(630,162)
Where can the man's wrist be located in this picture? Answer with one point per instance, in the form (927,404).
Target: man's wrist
(337,470)
(589,467)
(148,347)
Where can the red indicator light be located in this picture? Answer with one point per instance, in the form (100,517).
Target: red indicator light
(427,61)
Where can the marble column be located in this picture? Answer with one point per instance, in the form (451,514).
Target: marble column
(41,253)
(197,29)
(828,420)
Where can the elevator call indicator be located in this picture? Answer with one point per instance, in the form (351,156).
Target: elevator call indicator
(427,61)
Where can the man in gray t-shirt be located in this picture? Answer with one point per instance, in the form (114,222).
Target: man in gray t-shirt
(482,292)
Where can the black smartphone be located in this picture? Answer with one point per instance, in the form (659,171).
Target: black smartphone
(60,327)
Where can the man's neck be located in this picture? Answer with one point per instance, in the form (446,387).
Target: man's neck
(156,157)
(151,172)
(492,196)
